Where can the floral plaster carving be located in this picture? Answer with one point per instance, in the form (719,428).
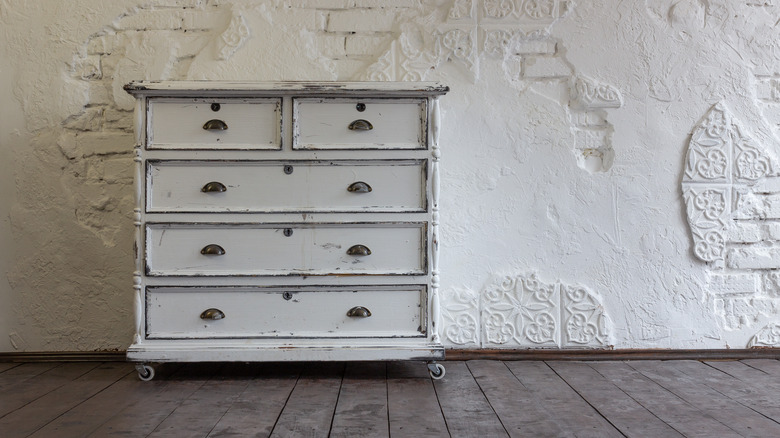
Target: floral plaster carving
(590,94)
(729,187)
(768,336)
(460,314)
(236,33)
(523,311)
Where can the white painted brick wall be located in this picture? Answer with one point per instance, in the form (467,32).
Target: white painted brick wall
(733,284)
(540,67)
(754,257)
(744,232)
(361,20)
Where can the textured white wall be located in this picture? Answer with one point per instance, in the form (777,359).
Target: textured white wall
(569,218)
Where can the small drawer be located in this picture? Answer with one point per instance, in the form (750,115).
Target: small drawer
(359,123)
(214,124)
(289,186)
(234,312)
(285,249)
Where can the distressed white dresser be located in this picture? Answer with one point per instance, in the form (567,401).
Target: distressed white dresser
(286,222)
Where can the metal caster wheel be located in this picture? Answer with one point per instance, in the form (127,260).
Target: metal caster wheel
(436,370)
(145,372)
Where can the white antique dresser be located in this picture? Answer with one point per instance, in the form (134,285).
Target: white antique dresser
(286,222)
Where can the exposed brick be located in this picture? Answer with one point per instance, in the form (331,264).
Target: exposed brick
(349,68)
(771,284)
(768,89)
(754,257)
(88,68)
(366,45)
(118,170)
(90,120)
(770,231)
(152,20)
(533,47)
(331,46)
(100,45)
(744,232)
(99,93)
(361,20)
(325,4)
(545,67)
(591,139)
(321,20)
(387,3)
(733,284)
(305,18)
(759,206)
(103,143)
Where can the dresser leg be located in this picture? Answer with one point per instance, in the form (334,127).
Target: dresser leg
(436,370)
(145,372)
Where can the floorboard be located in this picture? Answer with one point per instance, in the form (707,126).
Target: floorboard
(465,408)
(309,410)
(476,398)
(769,366)
(413,408)
(668,407)
(258,407)
(553,394)
(625,413)
(362,404)
(39,412)
(518,407)
(692,389)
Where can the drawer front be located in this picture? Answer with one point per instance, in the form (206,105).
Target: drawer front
(339,124)
(275,186)
(285,249)
(175,313)
(194,124)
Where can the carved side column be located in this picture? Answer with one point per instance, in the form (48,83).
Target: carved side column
(435,122)
(138,299)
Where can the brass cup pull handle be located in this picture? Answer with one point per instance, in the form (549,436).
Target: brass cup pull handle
(212,249)
(214,186)
(361,125)
(359,312)
(212,314)
(359,187)
(358,250)
(215,125)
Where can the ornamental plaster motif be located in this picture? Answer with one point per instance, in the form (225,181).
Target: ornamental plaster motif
(730,184)
(522,311)
(236,33)
(768,336)
(460,315)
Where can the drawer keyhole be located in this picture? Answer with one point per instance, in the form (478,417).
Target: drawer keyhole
(287,296)
(288,232)
(288,169)
(360,107)
(215,107)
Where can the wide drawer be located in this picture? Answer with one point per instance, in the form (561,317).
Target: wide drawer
(340,123)
(214,124)
(286,249)
(290,186)
(232,312)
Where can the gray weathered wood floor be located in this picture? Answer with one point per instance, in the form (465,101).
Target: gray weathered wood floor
(477,398)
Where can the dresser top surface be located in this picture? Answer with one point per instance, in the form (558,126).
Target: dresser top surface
(184,88)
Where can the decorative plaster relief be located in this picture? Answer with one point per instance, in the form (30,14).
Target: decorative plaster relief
(236,33)
(460,315)
(729,188)
(525,312)
(768,336)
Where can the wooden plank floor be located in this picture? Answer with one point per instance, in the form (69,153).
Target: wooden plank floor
(479,398)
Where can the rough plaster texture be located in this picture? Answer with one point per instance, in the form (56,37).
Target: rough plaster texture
(567,137)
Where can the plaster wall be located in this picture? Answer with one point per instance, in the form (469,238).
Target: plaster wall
(577,150)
